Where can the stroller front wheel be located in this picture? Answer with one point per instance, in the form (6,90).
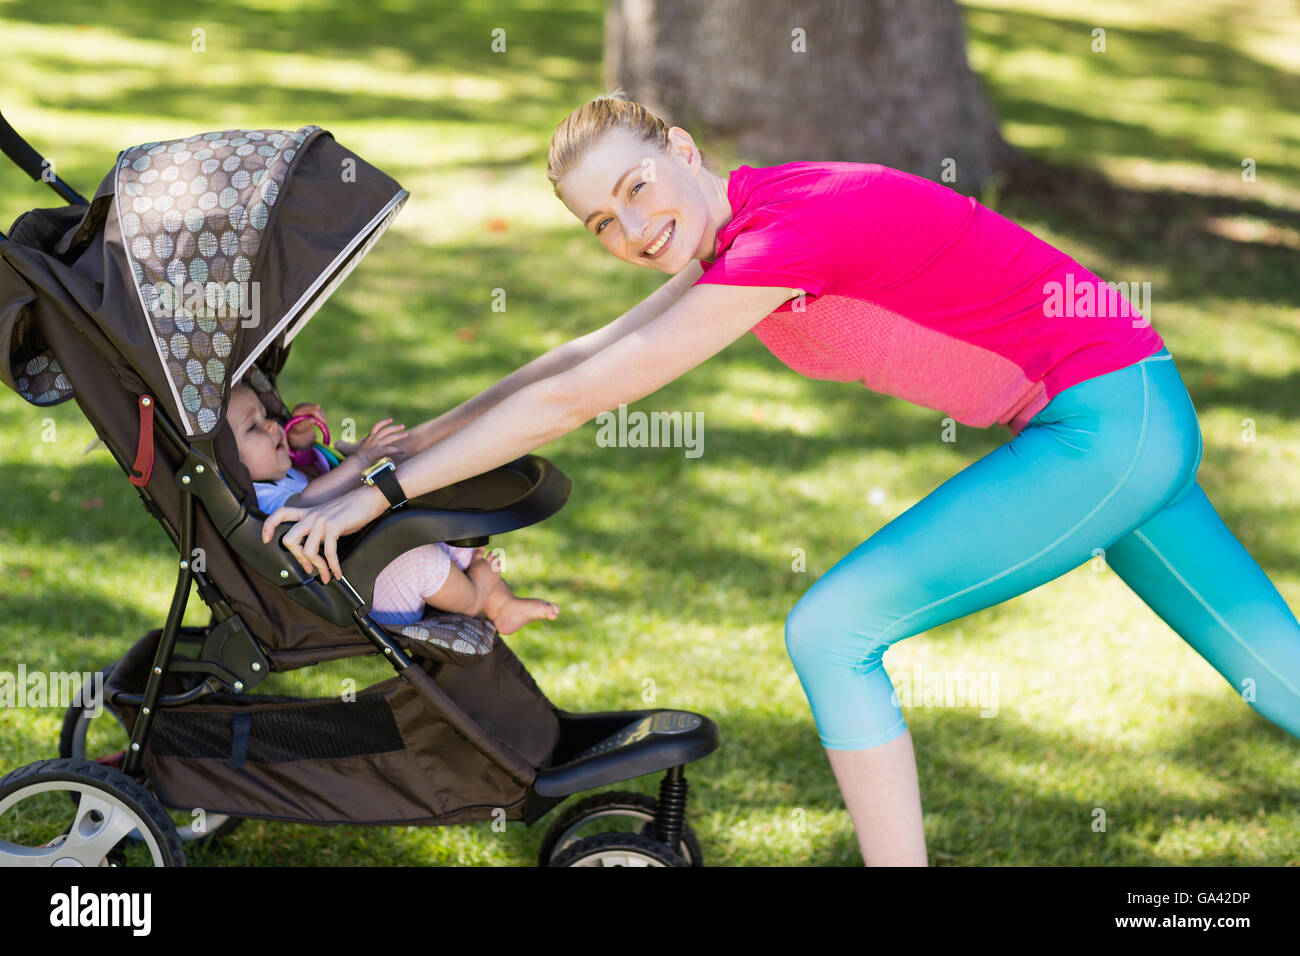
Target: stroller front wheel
(35,829)
(639,809)
(618,849)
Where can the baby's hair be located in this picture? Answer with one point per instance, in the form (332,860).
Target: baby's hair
(587,125)
(244,386)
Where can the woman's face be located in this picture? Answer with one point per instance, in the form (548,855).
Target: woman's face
(645,206)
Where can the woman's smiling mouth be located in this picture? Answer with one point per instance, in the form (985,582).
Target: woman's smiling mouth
(653,250)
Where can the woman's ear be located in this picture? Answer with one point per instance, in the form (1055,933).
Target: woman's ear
(681,143)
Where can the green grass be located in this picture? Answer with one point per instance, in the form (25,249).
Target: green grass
(678,570)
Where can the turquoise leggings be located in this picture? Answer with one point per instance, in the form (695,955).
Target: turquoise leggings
(1109,463)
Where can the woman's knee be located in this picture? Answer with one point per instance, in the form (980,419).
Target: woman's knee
(800,630)
(821,630)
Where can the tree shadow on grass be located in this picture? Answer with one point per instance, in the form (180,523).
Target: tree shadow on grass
(454,35)
(1163,229)
(1205,73)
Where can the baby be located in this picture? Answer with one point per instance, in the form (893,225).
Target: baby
(449,578)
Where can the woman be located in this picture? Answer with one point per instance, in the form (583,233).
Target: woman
(859,272)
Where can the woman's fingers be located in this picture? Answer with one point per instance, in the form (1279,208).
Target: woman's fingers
(332,552)
(313,540)
(279,516)
(311,548)
(292,540)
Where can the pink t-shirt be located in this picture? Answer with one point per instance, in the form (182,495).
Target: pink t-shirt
(919,292)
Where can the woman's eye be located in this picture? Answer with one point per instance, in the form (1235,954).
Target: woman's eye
(601,225)
(636,187)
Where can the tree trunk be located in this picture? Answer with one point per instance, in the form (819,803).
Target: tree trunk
(868,81)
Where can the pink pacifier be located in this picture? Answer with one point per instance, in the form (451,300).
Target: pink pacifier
(316,454)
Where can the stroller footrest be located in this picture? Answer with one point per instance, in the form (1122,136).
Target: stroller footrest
(446,637)
(656,741)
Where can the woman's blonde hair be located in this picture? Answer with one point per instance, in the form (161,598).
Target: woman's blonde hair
(587,125)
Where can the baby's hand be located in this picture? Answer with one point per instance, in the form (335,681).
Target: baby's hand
(379,443)
(303,434)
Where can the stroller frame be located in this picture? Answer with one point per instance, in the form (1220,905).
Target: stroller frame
(587,750)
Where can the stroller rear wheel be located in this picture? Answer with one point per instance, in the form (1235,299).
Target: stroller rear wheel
(618,849)
(622,808)
(87,736)
(35,828)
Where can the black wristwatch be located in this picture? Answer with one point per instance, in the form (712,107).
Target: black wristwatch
(382,475)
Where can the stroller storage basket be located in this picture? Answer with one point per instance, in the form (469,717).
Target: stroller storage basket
(377,754)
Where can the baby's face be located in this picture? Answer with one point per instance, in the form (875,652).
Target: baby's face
(262,445)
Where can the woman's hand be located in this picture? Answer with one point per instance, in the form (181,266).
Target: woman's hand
(379,443)
(303,434)
(325,523)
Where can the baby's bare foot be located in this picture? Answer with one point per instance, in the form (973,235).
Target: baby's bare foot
(516,612)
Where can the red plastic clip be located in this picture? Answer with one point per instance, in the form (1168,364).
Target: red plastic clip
(142,467)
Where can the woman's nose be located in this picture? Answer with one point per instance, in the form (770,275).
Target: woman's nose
(638,231)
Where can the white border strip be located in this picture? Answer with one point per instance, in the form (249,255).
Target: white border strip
(369,232)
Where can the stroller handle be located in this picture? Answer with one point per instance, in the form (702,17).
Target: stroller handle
(33,164)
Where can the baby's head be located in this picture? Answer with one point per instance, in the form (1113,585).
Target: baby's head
(263,447)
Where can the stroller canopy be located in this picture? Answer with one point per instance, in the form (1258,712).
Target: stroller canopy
(215,248)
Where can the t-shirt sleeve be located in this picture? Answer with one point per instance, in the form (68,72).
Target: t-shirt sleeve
(272,494)
(775,251)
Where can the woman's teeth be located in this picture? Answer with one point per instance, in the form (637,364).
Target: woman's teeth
(659,243)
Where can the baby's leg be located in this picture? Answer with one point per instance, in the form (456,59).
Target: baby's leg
(421,576)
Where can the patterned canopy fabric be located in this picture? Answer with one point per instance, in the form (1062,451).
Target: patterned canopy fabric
(213,250)
(192,213)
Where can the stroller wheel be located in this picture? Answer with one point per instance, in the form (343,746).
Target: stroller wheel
(618,849)
(37,827)
(616,810)
(103,740)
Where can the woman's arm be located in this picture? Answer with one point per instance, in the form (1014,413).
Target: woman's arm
(347,474)
(704,321)
(559,359)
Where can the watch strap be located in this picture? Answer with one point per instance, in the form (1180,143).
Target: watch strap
(386,481)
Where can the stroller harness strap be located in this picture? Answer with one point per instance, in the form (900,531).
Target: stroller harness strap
(142,467)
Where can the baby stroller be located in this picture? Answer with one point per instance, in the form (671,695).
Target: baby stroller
(194,265)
